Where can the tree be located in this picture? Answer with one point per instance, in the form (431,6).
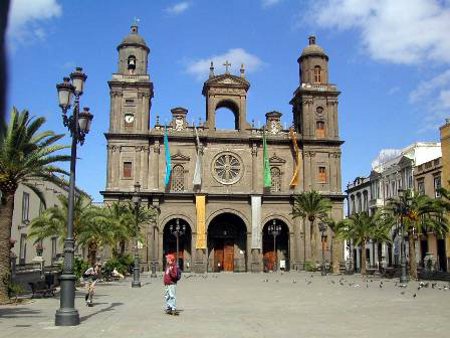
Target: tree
(311,205)
(26,155)
(362,227)
(419,214)
(336,243)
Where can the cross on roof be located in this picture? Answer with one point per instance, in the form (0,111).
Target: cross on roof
(227,64)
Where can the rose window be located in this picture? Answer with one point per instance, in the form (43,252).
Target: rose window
(227,168)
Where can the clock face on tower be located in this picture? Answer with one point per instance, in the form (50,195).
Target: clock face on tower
(129,118)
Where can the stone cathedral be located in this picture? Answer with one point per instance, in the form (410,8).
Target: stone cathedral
(226,214)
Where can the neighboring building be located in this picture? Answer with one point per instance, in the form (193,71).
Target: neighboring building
(428,178)
(387,178)
(28,206)
(445,179)
(227,215)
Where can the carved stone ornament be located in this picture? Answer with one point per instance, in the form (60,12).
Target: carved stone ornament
(274,127)
(179,124)
(227,168)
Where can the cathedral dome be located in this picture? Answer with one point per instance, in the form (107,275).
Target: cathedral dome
(312,49)
(133,39)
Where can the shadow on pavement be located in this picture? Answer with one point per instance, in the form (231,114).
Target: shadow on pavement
(109,308)
(18,313)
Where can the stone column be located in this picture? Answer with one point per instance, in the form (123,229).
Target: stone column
(293,258)
(115,166)
(313,170)
(254,167)
(145,162)
(307,172)
(248,252)
(156,158)
(108,166)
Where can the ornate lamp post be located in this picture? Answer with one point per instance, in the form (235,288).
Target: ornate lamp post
(322,229)
(78,124)
(274,230)
(403,212)
(136,199)
(177,231)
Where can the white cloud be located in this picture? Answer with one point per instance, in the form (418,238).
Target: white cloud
(236,56)
(384,156)
(26,18)
(178,8)
(270,3)
(400,31)
(433,96)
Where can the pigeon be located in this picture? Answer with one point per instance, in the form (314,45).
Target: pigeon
(381,285)
(402,293)
(309,282)
(433,285)
(414,295)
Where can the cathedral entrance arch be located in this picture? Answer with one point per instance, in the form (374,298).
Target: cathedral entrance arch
(184,242)
(275,251)
(227,243)
(227,115)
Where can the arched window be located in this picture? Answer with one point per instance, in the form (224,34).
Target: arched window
(322,178)
(317,74)
(276,179)
(320,129)
(131,63)
(177,178)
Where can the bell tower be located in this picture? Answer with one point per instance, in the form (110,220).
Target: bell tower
(228,91)
(315,101)
(131,89)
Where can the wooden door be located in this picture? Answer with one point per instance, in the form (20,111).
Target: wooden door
(228,255)
(218,256)
(269,260)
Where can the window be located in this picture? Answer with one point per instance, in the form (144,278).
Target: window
(437,186)
(25,207)
(54,243)
(421,187)
(320,129)
(23,249)
(317,74)
(127,169)
(275,173)
(131,63)
(322,175)
(177,178)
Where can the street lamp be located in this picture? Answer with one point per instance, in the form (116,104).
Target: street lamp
(78,124)
(274,229)
(322,229)
(177,231)
(403,212)
(136,199)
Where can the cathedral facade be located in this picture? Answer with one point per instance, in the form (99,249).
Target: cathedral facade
(214,190)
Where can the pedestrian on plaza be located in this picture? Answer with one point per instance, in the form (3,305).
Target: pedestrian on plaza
(90,277)
(172,274)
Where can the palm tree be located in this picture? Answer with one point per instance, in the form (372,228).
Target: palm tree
(362,227)
(53,221)
(311,205)
(25,155)
(336,243)
(419,214)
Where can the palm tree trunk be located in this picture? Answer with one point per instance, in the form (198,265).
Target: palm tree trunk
(92,253)
(412,257)
(336,254)
(6,213)
(363,257)
(313,244)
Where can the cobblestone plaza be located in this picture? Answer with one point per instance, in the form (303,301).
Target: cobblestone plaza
(295,304)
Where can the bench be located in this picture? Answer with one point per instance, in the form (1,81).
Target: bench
(42,288)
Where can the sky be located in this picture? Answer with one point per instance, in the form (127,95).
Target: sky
(389,59)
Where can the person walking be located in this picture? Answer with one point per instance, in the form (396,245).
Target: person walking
(172,274)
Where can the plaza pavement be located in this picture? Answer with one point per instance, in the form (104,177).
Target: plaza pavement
(294,304)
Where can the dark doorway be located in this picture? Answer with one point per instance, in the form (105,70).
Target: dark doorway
(227,239)
(442,257)
(184,243)
(279,259)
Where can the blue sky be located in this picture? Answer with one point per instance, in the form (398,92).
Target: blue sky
(390,59)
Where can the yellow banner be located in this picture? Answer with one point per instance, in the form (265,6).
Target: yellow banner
(295,178)
(201,222)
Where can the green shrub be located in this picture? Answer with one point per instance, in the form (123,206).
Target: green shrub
(123,264)
(15,289)
(309,266)
(79,267)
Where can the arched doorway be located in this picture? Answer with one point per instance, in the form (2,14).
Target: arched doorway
(275,252)
(184,242)
(227,243)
